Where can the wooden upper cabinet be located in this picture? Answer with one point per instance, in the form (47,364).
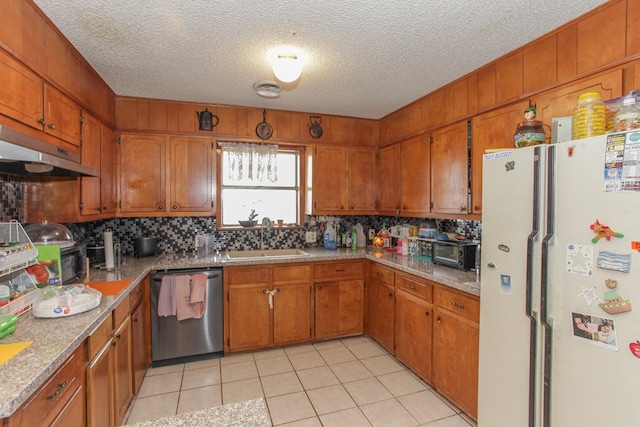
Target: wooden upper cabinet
(491,130)
(108,170)
(191,174)
(62,116)
(449,169)
(509,77)
(602,36)
(330,180)
(361,179)
(143,163)
(21,92)
(90,203)
(416,176)
(389,180)
(366,132)
(539,62)
(560,102)
(343,130)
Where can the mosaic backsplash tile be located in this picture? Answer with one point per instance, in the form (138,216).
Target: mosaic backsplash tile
(176,234)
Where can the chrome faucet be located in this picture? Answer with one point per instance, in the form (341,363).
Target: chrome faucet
(266,223)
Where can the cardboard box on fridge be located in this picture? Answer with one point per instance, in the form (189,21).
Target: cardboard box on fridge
(47,269)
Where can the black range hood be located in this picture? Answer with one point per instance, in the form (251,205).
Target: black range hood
(21,154)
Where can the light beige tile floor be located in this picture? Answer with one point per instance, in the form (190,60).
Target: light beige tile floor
(344,382)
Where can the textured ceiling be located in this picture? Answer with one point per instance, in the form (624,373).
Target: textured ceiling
(362,58)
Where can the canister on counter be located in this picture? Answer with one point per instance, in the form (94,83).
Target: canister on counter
(589,116)
(628,116)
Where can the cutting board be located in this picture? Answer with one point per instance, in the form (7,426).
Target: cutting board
(110,287)
(7,351)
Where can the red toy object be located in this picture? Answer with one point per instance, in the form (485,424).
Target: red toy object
(603,231)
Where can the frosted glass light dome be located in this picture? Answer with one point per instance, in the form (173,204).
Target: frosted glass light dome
(287,67)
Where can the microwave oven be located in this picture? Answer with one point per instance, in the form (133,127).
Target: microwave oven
(460,255)
(73,263)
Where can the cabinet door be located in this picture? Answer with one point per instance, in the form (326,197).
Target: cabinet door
(74,412)
(138,346)
(292,313)
(389,183)
(455,360)
(142,173)
(191,174)
(450,169)
(21,92)
(492,130)
(416,176)
(249,317)
(123,377)
(108,172)
(91,156)
(380,312)
(361,177)
(330,180)
(62,116)
(413,330)
(339,308)
(100,388)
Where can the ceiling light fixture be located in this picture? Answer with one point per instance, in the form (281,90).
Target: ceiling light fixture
(267,89)
(287,67)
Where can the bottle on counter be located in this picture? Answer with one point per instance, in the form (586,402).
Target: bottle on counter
(405,246)
(330,237)
(399,247)
(354,238)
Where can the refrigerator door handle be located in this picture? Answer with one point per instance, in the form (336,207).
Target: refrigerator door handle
(533,321)
(544,282)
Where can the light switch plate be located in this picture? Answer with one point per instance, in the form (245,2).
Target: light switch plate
(310,237)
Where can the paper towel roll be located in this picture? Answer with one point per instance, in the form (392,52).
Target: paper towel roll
(108,249)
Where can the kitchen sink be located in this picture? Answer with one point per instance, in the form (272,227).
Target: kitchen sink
(266,253)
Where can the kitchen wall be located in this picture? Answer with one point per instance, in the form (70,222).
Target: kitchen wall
(176,234)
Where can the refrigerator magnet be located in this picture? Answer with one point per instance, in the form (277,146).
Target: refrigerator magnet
(635,349)
(613,302)
(580,259)
(602,230)
(505,284)
(611,260)
(595,330)
(589,295)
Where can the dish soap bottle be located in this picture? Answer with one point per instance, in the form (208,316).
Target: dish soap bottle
(330,237)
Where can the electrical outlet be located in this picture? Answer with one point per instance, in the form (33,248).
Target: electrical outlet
(372,233)
(310,237)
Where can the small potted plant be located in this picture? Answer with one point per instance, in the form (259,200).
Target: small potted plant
(252,220)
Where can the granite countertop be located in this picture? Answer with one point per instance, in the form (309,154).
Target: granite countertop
(55,339)
(248,413)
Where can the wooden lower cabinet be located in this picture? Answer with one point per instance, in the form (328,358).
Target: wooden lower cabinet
(60,401)
(455,348)
(413,326)
(109,371)
(380,304)
(267,306)
(138,346)
(339,299)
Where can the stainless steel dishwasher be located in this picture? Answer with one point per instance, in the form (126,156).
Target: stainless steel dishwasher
(178,341)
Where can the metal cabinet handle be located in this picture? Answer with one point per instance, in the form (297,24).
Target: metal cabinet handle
(174,207)
(390,294)
(319,287)
(61,386)
(340,270)
(52,126)
(41,122)
(410,286)
(476,208)
(426,313)
(460,306)
(341,207)
(463,209)
(160,207)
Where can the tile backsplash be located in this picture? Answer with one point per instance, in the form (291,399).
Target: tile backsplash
(176,234)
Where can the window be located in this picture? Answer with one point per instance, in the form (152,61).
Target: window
(268,183)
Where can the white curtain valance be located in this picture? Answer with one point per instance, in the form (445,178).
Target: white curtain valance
(257,161)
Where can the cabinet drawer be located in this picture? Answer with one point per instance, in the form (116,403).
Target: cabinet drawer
(50,399)
(121,312)
(242,276)
(381,273)
(415,286)
(136,295)
(97,339)
(339,269)
(456,302)
(292,274)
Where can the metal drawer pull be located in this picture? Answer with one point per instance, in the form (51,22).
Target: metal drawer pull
(413,288)
(340,270)
(460,306)
(55,394)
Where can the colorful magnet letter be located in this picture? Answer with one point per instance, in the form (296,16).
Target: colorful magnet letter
(635,349)
(603,231)
(509,166)
(613,302)
(504,248)
(617,261)
(491,266)
(635,246)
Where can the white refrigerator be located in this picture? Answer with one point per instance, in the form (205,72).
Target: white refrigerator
(560,285)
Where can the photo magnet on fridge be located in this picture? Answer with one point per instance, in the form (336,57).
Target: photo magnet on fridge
(599,331)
